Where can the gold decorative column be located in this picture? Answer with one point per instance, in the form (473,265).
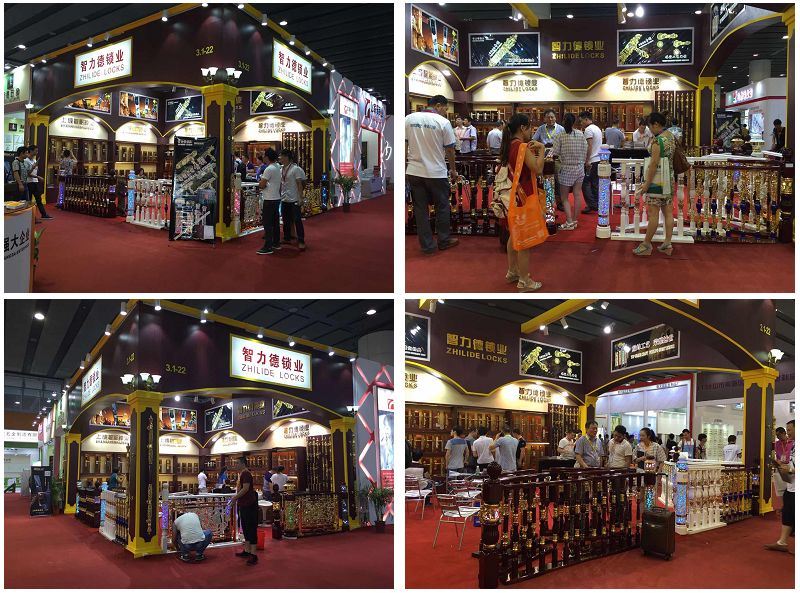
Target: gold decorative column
(72,473)
(39,128)
(704,111)
(759,397)
(143,490)
(220,103)
(342,443)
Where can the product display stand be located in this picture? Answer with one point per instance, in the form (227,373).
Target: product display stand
(696,487)
(151,202)
(212,510)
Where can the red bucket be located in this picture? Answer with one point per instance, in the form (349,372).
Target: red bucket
(262,536)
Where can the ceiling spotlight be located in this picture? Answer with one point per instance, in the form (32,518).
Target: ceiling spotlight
(260,333)
(352,359)
(291,343)
(569,16)
(330,353)
(324,64)
(371,312)
(165,16)
(292,40)
(370,90)
(308,52)
(158,305)
(755,55)
(604,305)
(18,403)
(639,11)
(630,14)
(20,46)
(264,19)
(39,316)
(283,23)
(203,318)
(607,329)
(89,43)
(440,301)
(123,310)
(589,307)
(205,4)
(83,364)
(240,6)
(735,67)
(44,60)
(542,327)
(333,69)
(28,105)
(698,12)
(108,329)
(177,398)
(564,323)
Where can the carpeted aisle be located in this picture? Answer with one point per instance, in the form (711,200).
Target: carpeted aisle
(577,262)
(61,552)
(730,557)
(347,252)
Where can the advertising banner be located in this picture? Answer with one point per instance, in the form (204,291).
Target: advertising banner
(184,108)
(101,64)
(418,337)
(17,252)
(17,86)
(194,182)
(282,409)
(92,381)
(722,15)
(219,417)
(178,420)
(348,134)
(138,106)
(655,344)
(504,50)
(78,126)
(664,47)
(98,102)
(291,68)
(428,81)
(433,37)
(727,124)
(41,480)
(117,414)
(256,361)
(546,361)
(264,102)
(107,441)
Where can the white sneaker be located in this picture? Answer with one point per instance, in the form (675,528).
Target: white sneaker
(529,285)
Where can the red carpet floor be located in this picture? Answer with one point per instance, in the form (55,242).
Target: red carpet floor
(729,557)
(61,552)
(347,252)
(577,262)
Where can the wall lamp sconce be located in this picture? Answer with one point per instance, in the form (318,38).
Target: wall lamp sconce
(774,356)
(141,381)
(209,74)
(352,410)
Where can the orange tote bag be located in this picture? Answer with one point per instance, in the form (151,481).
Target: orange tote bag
(525,213)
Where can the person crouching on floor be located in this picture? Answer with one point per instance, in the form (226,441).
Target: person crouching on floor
(189,536)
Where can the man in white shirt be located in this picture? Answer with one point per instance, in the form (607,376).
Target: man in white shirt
(786,471)
(566,446)
(202,482)
(642,135)
(591,183)
(494,139)
(189,536)
(280,479)
(430,148)
(293,180)
(731,452)
(620,452)
(270,185)
(506,450)
(469,141)
(459,132)
(480,449)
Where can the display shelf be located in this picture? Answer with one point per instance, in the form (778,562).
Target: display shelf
(561,418)
(300,144)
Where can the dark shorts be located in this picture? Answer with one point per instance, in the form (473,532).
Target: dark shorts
(787,514)
(248,517)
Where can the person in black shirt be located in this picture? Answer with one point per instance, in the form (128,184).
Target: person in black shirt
(778,136)
(520,446)
(247,501)
(671,442)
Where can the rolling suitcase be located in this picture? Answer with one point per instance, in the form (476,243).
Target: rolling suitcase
(658,531)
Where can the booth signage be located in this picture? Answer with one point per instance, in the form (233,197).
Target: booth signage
(583,49)
(169,444)
(117,414)
(104,63)
(78,126)
(219,417)
(135,131)
(348,108)
(197,130)
(17,86)
(740,95)
(229,443)
(252,360)
(178,420)
(722,15)
(433,37)
(666,47)
(476,348)
(645,347)
(418,337)
(258,408)
(18,265)
(638,84)
(138,106)
(290,68)
(546,361)
(411,380)
(504,50)
(264,102)
(282,409)
(374,114)
(99,102)
(426,80)
(296,431)
(92,381)
(184,108)
(536,395)
(20,436)
(386,429)
(107,442)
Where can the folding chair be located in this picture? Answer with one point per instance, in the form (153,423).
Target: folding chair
(455,512)
(416,493)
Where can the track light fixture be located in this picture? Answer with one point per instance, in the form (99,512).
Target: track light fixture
(564,323)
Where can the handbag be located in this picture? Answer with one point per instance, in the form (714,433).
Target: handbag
(502,191)
(680,164)
(525,213)
(662,178)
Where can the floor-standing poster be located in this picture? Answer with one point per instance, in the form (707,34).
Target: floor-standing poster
(194,198)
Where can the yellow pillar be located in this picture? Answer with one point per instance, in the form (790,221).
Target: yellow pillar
(759,397)
(72,473)
(788,19)
(143,489)
(583,412)
(343,432)
(704,82)
(220,104)
(39,126)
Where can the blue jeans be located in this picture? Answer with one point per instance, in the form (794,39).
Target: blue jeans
(198,547)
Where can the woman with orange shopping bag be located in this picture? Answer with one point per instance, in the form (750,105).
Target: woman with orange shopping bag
(523,160)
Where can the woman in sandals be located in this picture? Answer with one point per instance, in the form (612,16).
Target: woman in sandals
(517,132)
(658,198)
(570,148)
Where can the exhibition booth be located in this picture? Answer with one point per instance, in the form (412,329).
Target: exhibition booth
(173,391)
(546,368)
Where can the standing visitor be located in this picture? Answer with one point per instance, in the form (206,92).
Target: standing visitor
(648,447)
(784,442)
(270,186)
(778,136)
(505,447)
(615,137)
(469,139)
(430,148)
(700,448)
(239,167)
(470,466)
(570,148)
(642,135)
(494,139)
(458,130)
(676,131)
(731,452)
(113,479)
(279,478)
(480,449)
(591,182)
(786,471)
(670,444)
(686,444)
(293,180)
(202,482)
(67,164)
(620,452)
(658,190)
(247,502)
(19,169)
(550,130)
(566,446)
(517,132)
(521,442)
(589,448)
(36,181)
(188,536)
(456,451)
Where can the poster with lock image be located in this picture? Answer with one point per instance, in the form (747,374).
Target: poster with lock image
(194,198)
(546,361)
